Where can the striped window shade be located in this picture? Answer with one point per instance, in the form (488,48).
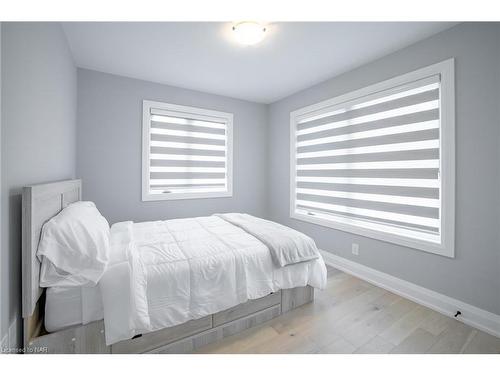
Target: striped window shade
(371,163)
(186,152)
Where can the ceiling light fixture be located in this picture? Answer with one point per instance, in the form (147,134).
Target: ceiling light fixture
(249,33)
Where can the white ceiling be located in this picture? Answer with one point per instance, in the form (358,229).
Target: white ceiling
(202,56)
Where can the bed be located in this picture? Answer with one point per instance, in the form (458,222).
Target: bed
(188,305)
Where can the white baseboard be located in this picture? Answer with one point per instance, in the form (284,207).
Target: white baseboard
(471,315)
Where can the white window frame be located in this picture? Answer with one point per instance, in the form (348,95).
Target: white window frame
(447,159)
(195,113)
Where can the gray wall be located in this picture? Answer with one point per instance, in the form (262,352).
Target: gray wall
(38,134)
(474,275)
(109,148)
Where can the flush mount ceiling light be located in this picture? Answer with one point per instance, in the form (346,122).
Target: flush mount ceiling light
(249,33)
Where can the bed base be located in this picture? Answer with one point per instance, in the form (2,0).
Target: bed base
(184,338)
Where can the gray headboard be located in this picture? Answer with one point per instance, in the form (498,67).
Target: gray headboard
(40,203)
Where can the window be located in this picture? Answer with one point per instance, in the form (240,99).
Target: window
(187,152)
(380,162)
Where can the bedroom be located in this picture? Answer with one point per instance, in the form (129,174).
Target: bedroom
(259,193)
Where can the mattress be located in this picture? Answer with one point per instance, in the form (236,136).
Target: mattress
(165,273)
(70,306)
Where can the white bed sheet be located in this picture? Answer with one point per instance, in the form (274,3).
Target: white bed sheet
(165,273)
(70,306)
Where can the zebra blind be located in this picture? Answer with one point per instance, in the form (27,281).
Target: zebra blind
(372,164)
(187,152)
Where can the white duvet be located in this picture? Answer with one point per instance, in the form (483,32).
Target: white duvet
(165,273)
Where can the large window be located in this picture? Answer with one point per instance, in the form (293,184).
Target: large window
(187,152)
(380,161)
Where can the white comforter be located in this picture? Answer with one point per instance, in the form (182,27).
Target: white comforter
(165,273)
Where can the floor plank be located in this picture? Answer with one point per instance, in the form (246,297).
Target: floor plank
(241,343)
(339,346)
(379,321)
(402,328)
(436,323)
(419,341)
(452,339)
(353,316)
(482,343)
(377,345)
(360,330)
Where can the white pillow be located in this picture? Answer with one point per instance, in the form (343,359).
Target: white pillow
(74,247)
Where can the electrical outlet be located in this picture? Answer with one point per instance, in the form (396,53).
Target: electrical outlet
(355,249)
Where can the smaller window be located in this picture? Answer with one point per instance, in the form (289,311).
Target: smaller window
(186,152)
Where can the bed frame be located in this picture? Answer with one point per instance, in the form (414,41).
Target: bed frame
(41,203)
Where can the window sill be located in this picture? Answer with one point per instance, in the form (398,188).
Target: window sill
(430,247)
(170,197)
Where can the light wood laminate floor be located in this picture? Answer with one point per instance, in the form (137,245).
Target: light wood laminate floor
(353,316)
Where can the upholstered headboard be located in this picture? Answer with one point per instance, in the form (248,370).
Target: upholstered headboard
(40,203)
